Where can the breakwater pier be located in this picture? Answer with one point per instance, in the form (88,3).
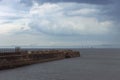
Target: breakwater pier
(18,57)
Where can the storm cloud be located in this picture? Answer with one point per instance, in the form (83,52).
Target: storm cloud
(102,2)
(63,22)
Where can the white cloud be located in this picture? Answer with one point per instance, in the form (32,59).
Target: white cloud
(50,18)
(12,20)
(9,28)
(44,9)
(13,26)
(84,11)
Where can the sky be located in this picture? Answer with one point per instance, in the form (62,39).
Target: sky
(60,23)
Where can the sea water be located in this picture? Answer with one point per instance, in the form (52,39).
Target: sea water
(94,64)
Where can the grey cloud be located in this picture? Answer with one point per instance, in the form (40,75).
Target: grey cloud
(109,11)
(79,1)
(10,17)
(102,2)
(27,2)
(113,13)
(110,6)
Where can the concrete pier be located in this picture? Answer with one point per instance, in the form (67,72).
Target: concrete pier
(22,58)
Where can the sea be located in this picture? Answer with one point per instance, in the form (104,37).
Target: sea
(94,64)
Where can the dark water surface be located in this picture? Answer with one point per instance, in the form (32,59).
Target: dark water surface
(94,64)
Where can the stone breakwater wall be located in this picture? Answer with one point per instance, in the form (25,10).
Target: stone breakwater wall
(22,58)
